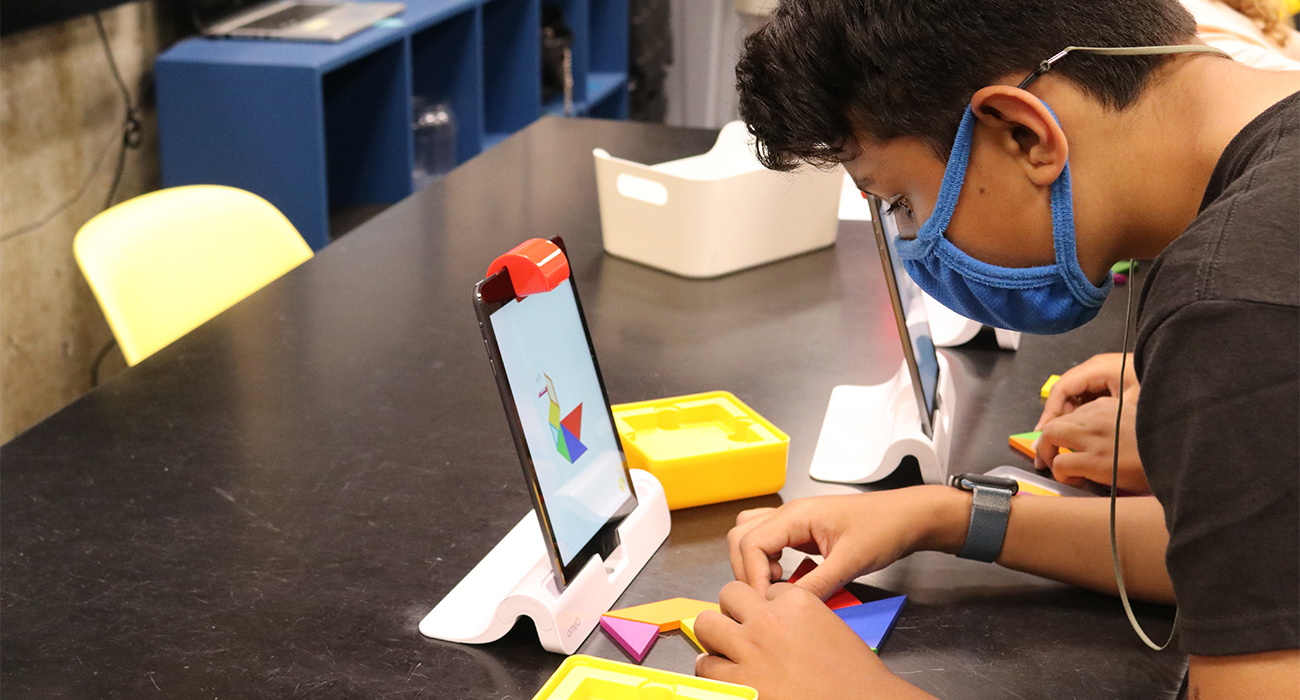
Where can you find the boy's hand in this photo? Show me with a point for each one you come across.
(856, 534)
(1090, 432)
(789, 645)
(1092, 379)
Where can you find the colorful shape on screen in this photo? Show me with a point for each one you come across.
(566, 432)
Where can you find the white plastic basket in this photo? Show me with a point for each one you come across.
(714, 213)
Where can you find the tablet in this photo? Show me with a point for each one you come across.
(558, 411)
(909, 312)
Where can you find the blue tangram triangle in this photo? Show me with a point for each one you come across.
(872, 621)
(576, 448)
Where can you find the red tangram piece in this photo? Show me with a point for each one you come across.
(839, 599)
(573, 422)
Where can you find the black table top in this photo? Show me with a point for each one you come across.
(268, 507)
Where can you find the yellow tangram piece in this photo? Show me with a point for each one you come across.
(668, 614)
(1047, 386)
(688, 626)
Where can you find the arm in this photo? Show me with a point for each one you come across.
(778, 638)
(1271, 674)
(1067, 539)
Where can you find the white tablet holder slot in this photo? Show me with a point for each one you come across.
(948, 329)
(516, 579)
(869, 430)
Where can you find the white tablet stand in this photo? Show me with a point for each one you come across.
(516, 579)
(870, 429)
(948, 329)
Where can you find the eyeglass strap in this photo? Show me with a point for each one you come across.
(1120, 51)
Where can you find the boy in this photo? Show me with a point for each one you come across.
(1017, 182)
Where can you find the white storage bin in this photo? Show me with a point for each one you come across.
(715, 213)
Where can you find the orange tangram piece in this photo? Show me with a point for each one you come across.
(1024, 443)
(668, 614)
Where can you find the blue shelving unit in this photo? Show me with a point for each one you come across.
(318, 127)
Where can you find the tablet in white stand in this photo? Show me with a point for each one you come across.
(949, 329)
(516, 579)
(868, 431)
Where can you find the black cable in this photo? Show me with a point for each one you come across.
(131, 134)
(99, 359)
(131, 138)
(1114, 479)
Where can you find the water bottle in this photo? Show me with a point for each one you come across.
(435, 140)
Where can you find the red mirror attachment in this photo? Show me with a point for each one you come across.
(536, 265)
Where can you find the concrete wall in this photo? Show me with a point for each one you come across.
(60, 110)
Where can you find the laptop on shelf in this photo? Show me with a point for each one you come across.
(293, 20)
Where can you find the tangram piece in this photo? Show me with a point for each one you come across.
(872, 621)
(1047, 386)
(667, 614)
(839, 599)
(688, 626)
(1024, 443)
(636, 638)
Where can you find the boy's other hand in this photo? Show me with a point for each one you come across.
(857, 534)
(788, 644)
(1098, 376)
(1089, 431)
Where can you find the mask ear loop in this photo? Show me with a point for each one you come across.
(1114, 478)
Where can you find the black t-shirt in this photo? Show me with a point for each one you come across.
(1218, 421)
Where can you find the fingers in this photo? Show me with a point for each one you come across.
(745, 522)
(1057, 434)
(828, 577)
(778, 589)
(1098, 376)
(739, 601)
(717, 668)
(760, 548)
(1074, 468)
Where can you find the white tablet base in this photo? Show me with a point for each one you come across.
(870, 429)
(516, 579)
(948, 329)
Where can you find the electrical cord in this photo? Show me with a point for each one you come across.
(130, 138)
(99, 360)
(1114, 480)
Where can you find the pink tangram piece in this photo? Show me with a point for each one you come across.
(636, 638)
(839, 599)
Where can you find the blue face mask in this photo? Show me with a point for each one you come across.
(1047, 299)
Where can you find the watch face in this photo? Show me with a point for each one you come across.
(968, 482)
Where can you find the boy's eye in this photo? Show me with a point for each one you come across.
(900, 210)
(895, 204)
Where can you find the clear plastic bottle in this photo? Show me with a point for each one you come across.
(434, 125)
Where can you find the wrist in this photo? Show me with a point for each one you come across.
(947, 518)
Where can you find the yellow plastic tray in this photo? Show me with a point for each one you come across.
(589, 678)
(703, 448)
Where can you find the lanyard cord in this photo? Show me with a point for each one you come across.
(1114, 478)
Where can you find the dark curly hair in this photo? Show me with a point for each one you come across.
(819, 69)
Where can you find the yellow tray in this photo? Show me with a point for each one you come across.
(583, 677)
(703, 448)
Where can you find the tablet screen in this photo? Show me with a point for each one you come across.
(913, 323)
(562, 411)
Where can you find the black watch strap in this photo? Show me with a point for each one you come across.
(989, 512)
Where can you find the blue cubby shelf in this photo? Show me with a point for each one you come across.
(319, 127)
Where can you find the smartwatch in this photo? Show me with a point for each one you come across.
(989, 511)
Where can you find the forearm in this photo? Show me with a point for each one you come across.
(1068, 539)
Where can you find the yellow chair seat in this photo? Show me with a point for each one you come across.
(163, 263)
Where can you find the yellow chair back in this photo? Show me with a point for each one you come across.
(165, 262)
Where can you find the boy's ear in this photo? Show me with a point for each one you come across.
(1025, 128)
